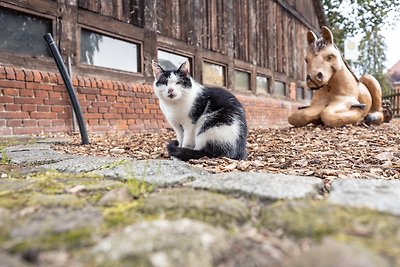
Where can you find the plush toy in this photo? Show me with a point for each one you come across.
(339, 97)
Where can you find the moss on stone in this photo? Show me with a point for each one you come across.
(121, 214)
(314, 219)
(74, 239)
(213, 208)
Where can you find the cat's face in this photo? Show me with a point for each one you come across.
(172, 85)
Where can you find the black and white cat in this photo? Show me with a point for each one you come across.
(208, 121)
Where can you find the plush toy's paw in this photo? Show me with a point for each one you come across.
(173, 148)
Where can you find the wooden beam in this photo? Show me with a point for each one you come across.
(297, 15)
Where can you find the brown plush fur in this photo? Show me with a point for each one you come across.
(337, 91)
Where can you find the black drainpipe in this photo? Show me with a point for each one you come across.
(67, 81)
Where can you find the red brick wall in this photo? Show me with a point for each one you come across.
(34, 102)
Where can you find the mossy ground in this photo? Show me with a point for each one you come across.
(315, 220)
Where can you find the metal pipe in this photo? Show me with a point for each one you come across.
(70, 88)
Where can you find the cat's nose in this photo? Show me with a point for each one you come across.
(170, 91)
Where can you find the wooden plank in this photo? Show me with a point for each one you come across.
(150, 35)
(40, 6)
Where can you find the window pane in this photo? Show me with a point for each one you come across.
(23, 33)
(262, 85)
(308, 94)
(213, 74)
(280, 88)
(103, 51)
(170, 61)
(299, 93)
(242, 80)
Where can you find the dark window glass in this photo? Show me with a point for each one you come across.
(280, 88)
(262, 85)
(103, 51)
(213, 74)
(170, 61)
(299, 93)
(23, 33)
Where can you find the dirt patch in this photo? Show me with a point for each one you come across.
(346, 152)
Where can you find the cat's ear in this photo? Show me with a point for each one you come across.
(185, 68)
(157, 70)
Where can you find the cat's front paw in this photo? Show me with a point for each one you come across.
(173, 148)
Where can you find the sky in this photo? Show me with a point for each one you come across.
(393, 45)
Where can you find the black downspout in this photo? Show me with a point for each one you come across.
(67, 81)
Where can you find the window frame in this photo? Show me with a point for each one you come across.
(250, 89)
(269, 85)
(179, 53)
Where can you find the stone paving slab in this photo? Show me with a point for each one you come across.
(381, 195)
(81, 164)
(159, 172)
(35, 154)
(264, 185)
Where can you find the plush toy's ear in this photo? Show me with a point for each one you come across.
(311, 37)
(185, 67)
(157, 70)
(327, 35)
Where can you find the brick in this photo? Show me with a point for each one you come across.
(28, 75)
(3, 74)
(93, 116)
(10, 91)
(37, 77)
(44, 123)
(91, 97)
(53, 78)
(103, 110)
(43, 108)
(93, 110)
(25, 92)
(14, 123)
(2, 123)
(12, 107)
(40, 86)
(55, 95)
(45, 77)
(43, 115)
(10, 73)
(27, 130)
(14, 115)
(93, 122)
(75, 81)
(28, 107)
(59, 102)
(100, 104)
(5, 131)
(108, 92)
(6, 99)
(91, 91)
(19, 75)
(57, 109)
(112, 116)
(28, 100)
(12, 84)
(57, 122)
(29, 123)
(41, 94)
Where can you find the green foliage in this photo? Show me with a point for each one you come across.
(366, 18)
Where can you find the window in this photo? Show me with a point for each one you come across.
(308, 94)
(242, 81)
(108, 52)
(300, 93)
(23, 33)
(213, 74)
(280, 88)
(170, 61)
(262, 85)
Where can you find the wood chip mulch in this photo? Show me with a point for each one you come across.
(347, 152)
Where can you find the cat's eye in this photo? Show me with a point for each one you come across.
(178, 82)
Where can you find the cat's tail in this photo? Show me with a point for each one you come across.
(184, 153)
